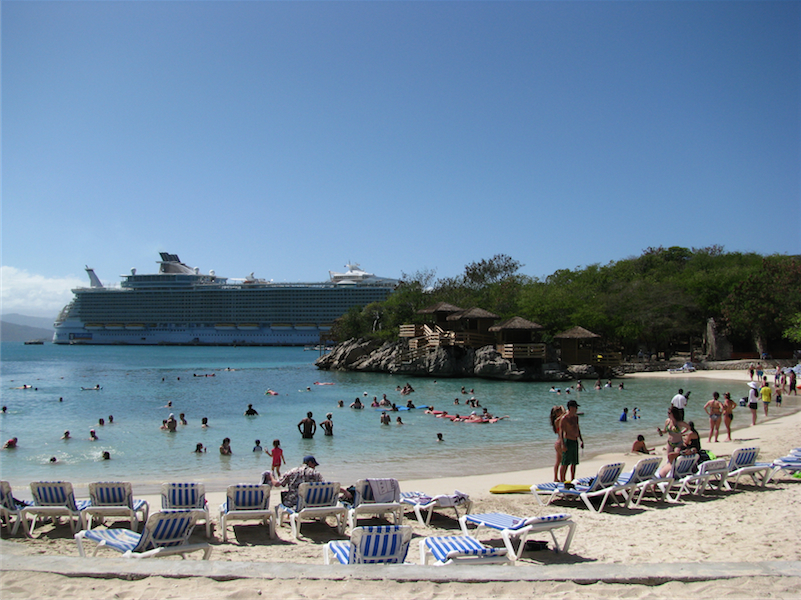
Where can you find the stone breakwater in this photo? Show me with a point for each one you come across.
(395, 357)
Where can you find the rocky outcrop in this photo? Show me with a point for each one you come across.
(396, 358)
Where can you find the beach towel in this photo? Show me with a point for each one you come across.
(385, 490)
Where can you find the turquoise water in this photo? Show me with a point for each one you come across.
(138, 382)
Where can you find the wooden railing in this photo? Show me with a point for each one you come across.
(410, 331)
(518, 351)
(608, 359)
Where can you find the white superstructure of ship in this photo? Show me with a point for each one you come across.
(180, 305)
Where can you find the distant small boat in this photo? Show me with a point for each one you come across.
(91, 389)
(34, 343)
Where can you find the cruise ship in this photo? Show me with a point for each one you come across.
(179, 305)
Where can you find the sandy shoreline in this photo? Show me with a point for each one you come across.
(750, 524)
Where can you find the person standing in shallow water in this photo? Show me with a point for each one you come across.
(328, 424)
(307, 426)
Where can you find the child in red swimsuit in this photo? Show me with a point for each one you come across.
(278, 457)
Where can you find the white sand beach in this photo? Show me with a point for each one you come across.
(621, 552)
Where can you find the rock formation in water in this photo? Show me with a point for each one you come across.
(452, 361)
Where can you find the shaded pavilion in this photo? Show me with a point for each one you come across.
(579, 346)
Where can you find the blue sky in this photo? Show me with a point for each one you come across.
(290, 138)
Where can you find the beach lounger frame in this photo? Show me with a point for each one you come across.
(421, 502)
(697, 483)
(743, 462)
(114, 499)
(364, 504)
(446, 550)
(247, 502)
(514, 528)
(316, 501)
(603, 485)
(187, 496)
(10, 511)
(683, 467)
(384, 544)
(53, 499)
(165, 533)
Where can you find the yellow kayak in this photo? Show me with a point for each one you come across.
(506, 488)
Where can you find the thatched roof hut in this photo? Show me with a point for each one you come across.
(516, 330)
(439, 307)
(473, 313)
(576, 333)
(578, 346)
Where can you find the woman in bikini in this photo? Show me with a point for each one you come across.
(714, 408)
(728, 413)
(557, 412)
(675, 429)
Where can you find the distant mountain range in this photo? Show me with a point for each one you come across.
(21, 328)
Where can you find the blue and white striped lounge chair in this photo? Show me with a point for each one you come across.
(316, 501)
(603, 484)
(652, 484)
(683, 467)
(628, 482)
(166, 532)
(791, 464)
(711, 470)
(422, 502)
(113, 499)
(743, 462)
(54, 499)
(246, 502)
(10, 510)
(387, 544)
(517, 528)
(187, 496)
(446, 550)
(364, 501)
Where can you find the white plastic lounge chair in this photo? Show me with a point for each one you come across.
(711, 470)
(603, 484)
(386, 544)
(421, 502)
(366, 500)
(743, 462)
(683, 466)
(628, 482)
(54, 499)
(10, 510)
(166, 532)
(316, 501)
(246, 502)
(446, 550)
(783, 464)
(517, 528)
(113, 499)
(187, 496)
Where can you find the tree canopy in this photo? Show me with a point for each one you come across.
(663, 296)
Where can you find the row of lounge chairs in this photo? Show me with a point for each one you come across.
(183, 506)
(685, 476)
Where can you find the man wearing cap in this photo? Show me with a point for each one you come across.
(328, 424)
(294, 477)
(570, 433)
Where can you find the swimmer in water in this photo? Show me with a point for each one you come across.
(93, 436)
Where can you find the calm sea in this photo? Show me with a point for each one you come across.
(138, 382)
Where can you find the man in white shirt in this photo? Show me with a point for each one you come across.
(680, 402)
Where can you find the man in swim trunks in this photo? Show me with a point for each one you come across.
(571, 434)
(307, 426)
(714, 408)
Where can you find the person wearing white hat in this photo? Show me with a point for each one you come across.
(753, 400)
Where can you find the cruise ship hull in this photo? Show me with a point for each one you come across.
(76, 333)
(180, 306)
